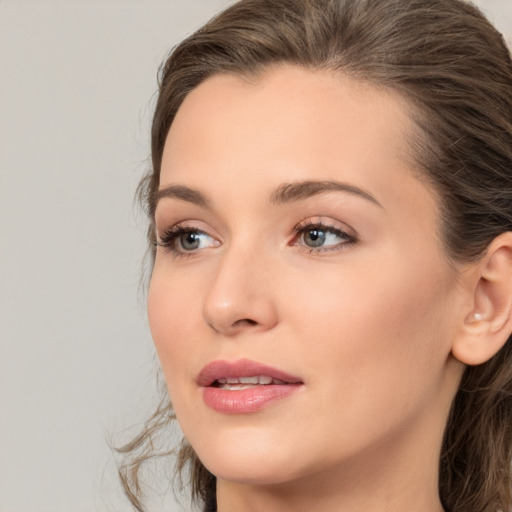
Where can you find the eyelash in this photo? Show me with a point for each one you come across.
(169, 239)
(307, 226)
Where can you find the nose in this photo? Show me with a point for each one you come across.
(241, 295)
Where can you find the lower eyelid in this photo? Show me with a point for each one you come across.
(345, 237)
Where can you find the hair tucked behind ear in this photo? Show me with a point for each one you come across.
(453, 67)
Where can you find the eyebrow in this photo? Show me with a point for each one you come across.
(183, 194)
(291, 192)
(285, 193)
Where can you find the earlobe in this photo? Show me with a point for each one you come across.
(488, 324)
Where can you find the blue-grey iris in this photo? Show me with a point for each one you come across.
(314, 238)
(190, 241)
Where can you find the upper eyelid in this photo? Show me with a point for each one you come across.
(193, 220)
(327, 223)
(177, 229)
(335, 231)
(164, 226)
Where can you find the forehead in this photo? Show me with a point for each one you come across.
(290, 124)
(286, 114)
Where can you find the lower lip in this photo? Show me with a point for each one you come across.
(248, 400)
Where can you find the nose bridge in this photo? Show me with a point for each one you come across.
(240, 294)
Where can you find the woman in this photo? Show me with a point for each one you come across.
(330, 212)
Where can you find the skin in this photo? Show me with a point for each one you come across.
(368, 325)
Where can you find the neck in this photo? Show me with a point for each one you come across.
(399, 475)
(371, 490)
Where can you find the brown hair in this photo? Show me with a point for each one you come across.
(456, 71)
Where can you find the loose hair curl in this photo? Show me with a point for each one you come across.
(455, 70)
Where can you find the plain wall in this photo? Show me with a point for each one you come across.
(77, 83)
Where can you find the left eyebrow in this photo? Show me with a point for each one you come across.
(291, 192)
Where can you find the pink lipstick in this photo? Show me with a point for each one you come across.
(244, 386)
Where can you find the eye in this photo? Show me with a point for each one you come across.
(180, 240)
(192, 240)
(317, 237)
(321, 237)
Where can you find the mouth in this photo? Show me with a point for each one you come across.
(243, 372)
(244, 386)
(239, 383)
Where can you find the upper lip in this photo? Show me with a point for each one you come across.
(222, 369)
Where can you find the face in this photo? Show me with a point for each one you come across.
(301, 303)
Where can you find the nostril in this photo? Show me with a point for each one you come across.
(245, 321)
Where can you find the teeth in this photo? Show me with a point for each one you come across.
(235, 387)
(246, 382)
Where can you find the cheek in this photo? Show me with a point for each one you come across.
(173, 312)
(383, 327)
(375, 350)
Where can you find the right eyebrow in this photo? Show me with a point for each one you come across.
(183, 193)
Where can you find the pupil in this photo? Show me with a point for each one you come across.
(315, 238)
(190, 241)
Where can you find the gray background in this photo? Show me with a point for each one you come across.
(77, 83)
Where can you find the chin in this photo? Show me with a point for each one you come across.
(249, 458)
(247, 471)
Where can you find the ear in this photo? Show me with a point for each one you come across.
(487, 321)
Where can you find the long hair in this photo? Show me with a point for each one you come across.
(455, 70)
